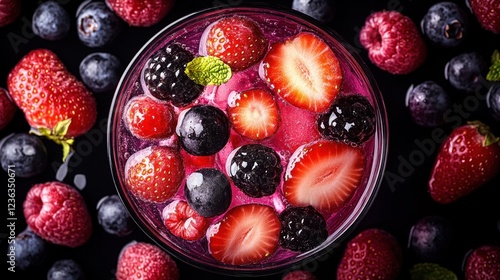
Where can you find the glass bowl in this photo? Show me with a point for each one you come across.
(275, 24)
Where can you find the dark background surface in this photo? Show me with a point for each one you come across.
(399, 204)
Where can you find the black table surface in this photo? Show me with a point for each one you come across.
(399, 203)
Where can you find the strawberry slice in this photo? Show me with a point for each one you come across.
(323, 174)
(183, 221)
(304, 71)
(253, 113)
(247, 234)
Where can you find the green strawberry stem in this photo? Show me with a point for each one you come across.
(494, 71)
(58, 135)
(484, 130)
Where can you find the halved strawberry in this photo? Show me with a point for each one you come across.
(304, 71)
(183, 221)
(247, 234)
(323, 174)
(253, 113)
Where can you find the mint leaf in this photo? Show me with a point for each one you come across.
(208, 70)
(495, 57)
(494, 71)
(431, 271)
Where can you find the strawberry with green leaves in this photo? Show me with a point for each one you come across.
(494, 71)
(468, 158)
(55, 103)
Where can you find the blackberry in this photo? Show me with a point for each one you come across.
(350, 119)
(302, 228)
(165, 78)
(256, 170)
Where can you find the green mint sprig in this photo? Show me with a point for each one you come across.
(494, 71)
(208, 70)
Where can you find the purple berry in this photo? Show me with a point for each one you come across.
(50, 21)
(445, 24)
(427, 103)
(465, 72)
(493, 101)
(321, 10)
(97, 25)
(208, 192)
(66, 270)
(100, 72)
(431, 238)
(30, 250)
(24, 153)
(113, 216)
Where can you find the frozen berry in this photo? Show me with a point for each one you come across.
(255, 169)
(113, 216)
(321, 10)
(208, 192)
(302, 228)
(466, 71)
(427, 103)
(431, 238)
(50, 21)
(97, 25)
(100, 71)
(66, 269)
(30, 250)
(203, 130)
(165, 79)
(445, 24)
(25, 153)
(493, 101)
(351, 119)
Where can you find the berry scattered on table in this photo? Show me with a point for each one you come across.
(141, 13)
(373, 252)
(25, 153)
(445, 24)
(165, 79)
(57, 212)
(431, 238)
(468, 158)
(97, 25)
(483, 263)
(184, 222)
(466, 71)
(146, 260)
(321, 10)
(113, 216)
(302, 228)
(427, 103)
(350, 119)
(50, 21)
(208, 192)
(100, 71)
(30, 250)
(393, 42)
(66, 269)
(304, 71)
(487, 13)
(493, 101)
(154, 173)
(7, 108)
(9, 11)
(299, 275)
(258, 225)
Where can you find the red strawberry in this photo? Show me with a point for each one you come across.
(483, 263)
(254, 113)
(467, 159)
(183, 221)
(236, 40)
(393, 41)
(57, 213)
(147, 118)
(7, 108)
(9, 11)
(141, 13)
(487, 13)
(247, 234)
(372, 254)
(304, 71)
(154, 173)
(323, 174)
(139, 260)
(299, 275)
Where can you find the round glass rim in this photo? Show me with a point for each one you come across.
(380, 151)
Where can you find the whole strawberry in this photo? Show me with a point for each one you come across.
(483, 263)
(372, 254)
(7, 108)
(393, 42)
(57, 213)
(145, 261)
(299, 275)
(141, 12)
(467, 159)
(487, 13)
(9, 11)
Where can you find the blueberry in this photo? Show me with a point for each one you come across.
(113, 216)
(97, 25)
(445, 24)
(66, 269)
(203, 130)
(30, 249)
(427, 103)
(465, 72)
(100, 72)
(50, 21)
(24, 153)
(431, 238)
(208, 192)
(493, 101)
(321, 10)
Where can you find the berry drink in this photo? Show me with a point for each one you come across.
(247, 139)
